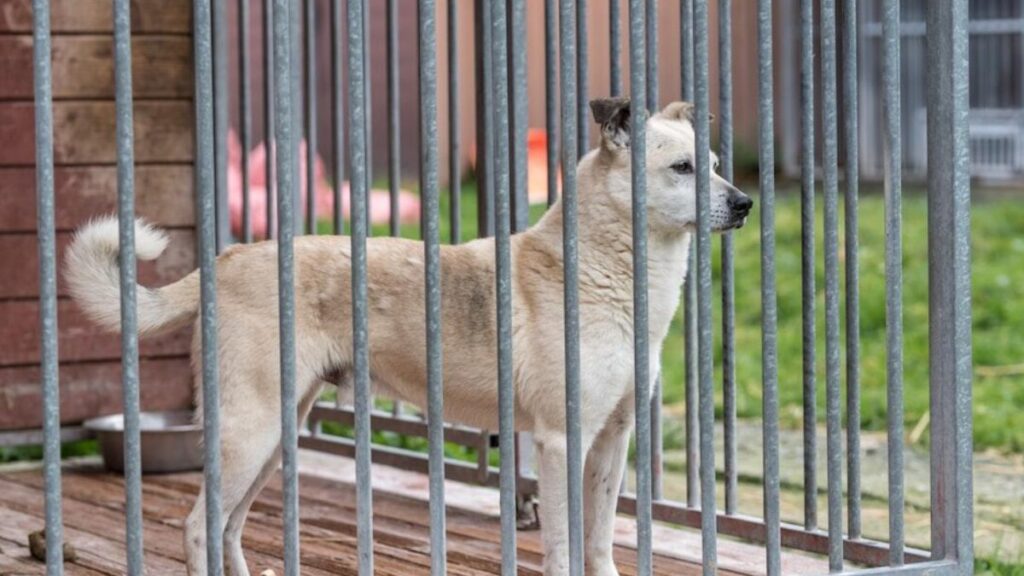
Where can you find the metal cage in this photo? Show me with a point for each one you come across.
(501, 71)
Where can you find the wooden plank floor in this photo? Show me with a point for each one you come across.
(94, 525)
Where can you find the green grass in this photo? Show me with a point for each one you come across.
(998, 316)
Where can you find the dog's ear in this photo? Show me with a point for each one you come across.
(613, 114)
(682, 111)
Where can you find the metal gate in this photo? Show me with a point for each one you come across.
(502, 145)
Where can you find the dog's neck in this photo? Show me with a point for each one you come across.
(605, 241)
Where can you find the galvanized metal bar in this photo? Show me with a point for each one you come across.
(570, 249)
(582, 79)
(309, 63)
(485, 128)
(706, 367)
(206, 208)
(949, 284)
(686, 47)
(286, 133)
(690, 290)
(503, 281)
(128, 284)
(833, 373)
(394, 119)
(550, 93)
(268, 110)
(46, 230)
(893, 162)
(657, 443)
(518, 113)
(641, 346)
(245, 113)
(725, 155)
(430, 186)
(807, 167)
(851, 164)
(368, 87)
(337, 118)
(454, 125)
(615, 46)
(295, 19)
(769, 300)
(221, 119)
(357, 100)
(651, 18)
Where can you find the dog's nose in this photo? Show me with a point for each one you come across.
(740, 203)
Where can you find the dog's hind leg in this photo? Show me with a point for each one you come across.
(248, 443)
(236, 518)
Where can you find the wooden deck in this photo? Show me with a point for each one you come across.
(94, 525)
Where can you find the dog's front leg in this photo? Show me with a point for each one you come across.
(552, 478)
(602, 477)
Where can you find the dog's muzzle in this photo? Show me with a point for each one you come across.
(739, 207)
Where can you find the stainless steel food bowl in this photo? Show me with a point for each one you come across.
(170, 441)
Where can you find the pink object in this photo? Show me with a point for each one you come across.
(380, 205)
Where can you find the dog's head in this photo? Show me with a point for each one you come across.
(671, 167)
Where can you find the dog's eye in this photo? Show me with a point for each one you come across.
(684, 167)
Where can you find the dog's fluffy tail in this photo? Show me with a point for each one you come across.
(92, 272)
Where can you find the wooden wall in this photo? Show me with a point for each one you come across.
(86, 186)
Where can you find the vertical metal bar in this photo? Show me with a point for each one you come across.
(206, 203)
(394, 123)
(615, 46)
(851, 164)
(582, 79)
(295, 55)
(368, 102)
(807, 166)
(830, 166)
(432, 258)
(485, 128)
(893, 162)
(550, 90)
(651, 17)
(949, 283)
(570, 249)
(360, 340)
(244, 110)
(518, 111)
(311, 115)
(728, 286)
(690, 289)
(706, 374)
(503, 280)
(657, 445)
(686, 47)
(220, 117)
(128, 284)
(286, 134)
(641, 350)
(769, 300)
(454, 125)
(268, 110)
(43, 83)
(337, 117)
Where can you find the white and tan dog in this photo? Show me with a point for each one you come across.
(247, 300)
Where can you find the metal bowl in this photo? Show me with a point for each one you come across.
(170, 441)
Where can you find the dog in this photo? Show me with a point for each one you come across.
(248, 345)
